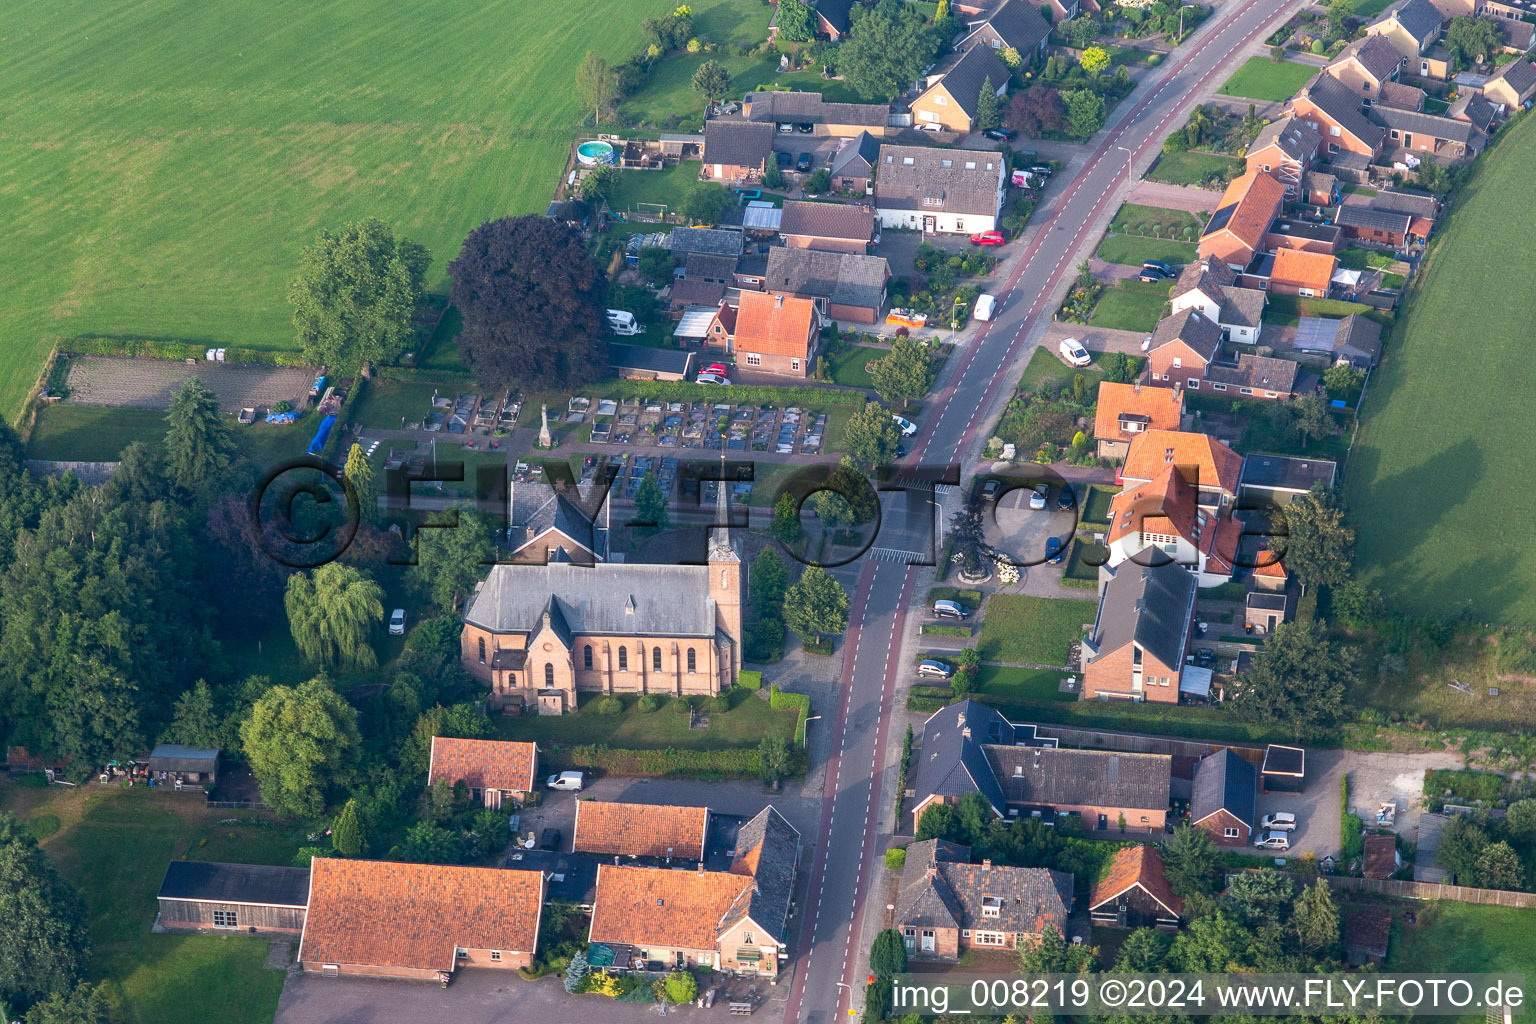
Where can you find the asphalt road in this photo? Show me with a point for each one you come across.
(827, 983)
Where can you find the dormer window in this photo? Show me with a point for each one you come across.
(991, 906)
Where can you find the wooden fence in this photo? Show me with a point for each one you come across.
(1409, 890)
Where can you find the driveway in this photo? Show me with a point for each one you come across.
(1097, 340)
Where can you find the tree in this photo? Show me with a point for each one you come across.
(1085, 112)
(937, 822)
(1011, 57)
(347, 832)
(1472, 41)
(1189, 860)
(888, 954)
(301, 742)
(195, 722)
(437, 805)
(712, 81)
(773, 752)
(871, 436)
(1312, 416)
(656, 264)
(359, 473)
(576, 971)
(332, 613)
(681, 987)
(198, 445)
(1052, 955)
(1355, 602)
(1520, 821)
(1315, 919)
(816, 605)
(85, 1004)
(451, 560)
(1498, 867)
(460, 721)
(1320, 542)
(1298, 679)
(886, 50)
(533, 302)
(1341, 379)
(903, 374)
(1118, 367)
(1260, 897)
(987, 115)
(706, 202)
(651, 514)
(1036, 111)
(796, 22)
(1142, 952)
(426, 843)
(598, 184)
(769, 579)
(597, 85)
(1277, 54)
(43, 937)
(786, 519)
(354, 295)
(1094, 60)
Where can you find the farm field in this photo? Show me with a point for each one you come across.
(209, 143)
(1437, 422)
(1263, 79)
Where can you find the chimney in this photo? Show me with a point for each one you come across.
(528, 532)
(986, 863)
(966, 732)
(778, 300)
(933, 871)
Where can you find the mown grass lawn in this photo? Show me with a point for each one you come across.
(1263, 79)
(848, 365)
(1008, 683)
(1044, 363)
(748, 721)
(1133, 251)
(92, 433)
(386, 402)
(1032, 630)
(1454, 938)
(1193, 168)
(1131, 306)
(207, 144)
(1437, 422)
(1135, 219)
(646, 189)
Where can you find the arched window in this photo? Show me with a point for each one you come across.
(692, 662)
(655, 659)
(482, 650)
(623, 659)
(586, 656)
(549, 675)
(722, 579)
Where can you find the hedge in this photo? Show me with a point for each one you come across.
(896, 858)
(154, 348)
(926, 705)
(1351, 828)
(780, 700)
(735, 763)
(749, 679)
(929, 629)
(421, 375)
(749, 394)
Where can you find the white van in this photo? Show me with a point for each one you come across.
(986, 305)
(623, 322)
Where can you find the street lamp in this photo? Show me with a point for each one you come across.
(813, 718)
(1181, 21)
(1128, 157)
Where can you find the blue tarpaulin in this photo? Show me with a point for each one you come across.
(282, 417)
(324, 432)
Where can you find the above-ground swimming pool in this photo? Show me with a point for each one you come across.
(590, 153)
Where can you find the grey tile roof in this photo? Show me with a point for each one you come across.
(925, 902)
(1019, 24)
(1257, 372)
(1520, 74)
(1295, 138)
(778, 846)
(951, 763)
(710, 240)
(1353, 337)
(843, 278)
(626, 599)
(1420, 18)
(1371, 219)
(963, 181)
(1023, 900)
(1473, 108)
(828, 220)
(1151, 605)
(1396, 94)
(856, 159)
(1224, 781)
(1375, 54)
(835, 11)
(1244, 307)
(1210, 277)
(738, 143)
(1284, 472)
(173, 757)
(711, 266)
(1061, 777)
(1420, 204)
(1193, 328)
(542, 507)
(647, 357)
(1342, 106)
(1428, 124)
(812, 108)
(235, 883)
(1317, 181)
(965, 79)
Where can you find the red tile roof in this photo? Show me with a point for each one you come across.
(1256, 197)
(775, 324)
(1303, 269)
(1160, 408)
(1380, 856)
(1213, 464)
(640, 830)
(383, 914)
(1136, 865)
(663, 906)
(1164, 505)
(484, 764)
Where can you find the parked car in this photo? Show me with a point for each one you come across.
(805, 127)
(1273, 841)
(718, 369)
(713, 378)
(1282, 821)
(986, 307)
(988, 238)
(906, 318)
(928, 127)
(549, 839)
(1039, 170)
(934, 667)
(565, 780)
(787, 128)
(991, 487)
(782, 158)
(1151, 275)
(803, 163)
(1073, 352)
(1167, 269)
(998, 134)
(1053, 550)
(397, 622)
(945, 609)
(908, 428)
(1037, 499)
(1065, 500)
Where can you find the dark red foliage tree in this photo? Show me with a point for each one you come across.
(1036, 110)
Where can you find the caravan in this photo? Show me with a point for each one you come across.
(622, 322)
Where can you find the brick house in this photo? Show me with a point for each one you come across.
(1224, 798)
(951, 97)
(1412, 28)
(544, 518)
(1183, 345)
(640, 830)
(1125, 410)
(1367, 65)
(1145, 618)
(1421, 206)
(1292, 272)
(1285, 150)
(830, 227)
(1162, 520)
(1134, 893)
(853, 165)
(1015, 23)
(494, 770)
(1206, 464)
(939, 191)
(843, 286)
(1236, 230)
(423, 921)
(737, 150)
(946, 905)
(1333, 108)
(841, 120)
(832, 18)
(732, 921)
(1211, 287)
(776, 333)
(1513, 85)
(1379, 227)
(1447, 137)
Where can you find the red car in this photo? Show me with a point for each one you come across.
(715, 368)
(988, 238)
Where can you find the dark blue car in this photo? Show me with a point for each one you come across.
(1053, 550)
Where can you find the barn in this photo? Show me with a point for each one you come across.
(1134, 893)
(256, 898)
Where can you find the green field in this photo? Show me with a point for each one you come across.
(1193, 168)
(1445, 438)
(164, 161)
(1263, 79)
(1131, 306)
(748, 721)
(1132, 251)
(1032, 630)
(1448, 938)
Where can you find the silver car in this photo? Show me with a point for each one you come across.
(1273, 841)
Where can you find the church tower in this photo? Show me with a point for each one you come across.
(725, 581)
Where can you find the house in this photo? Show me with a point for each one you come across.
(1421, 206)
(1058, 11)
(183, 766)
(693, 293)
(1302, 234)
(1474, 108)
(1320, 189)
(1293, 272)
(1284, 769)
(1012, 23)
(1381, 859)
(1412, 28)
(544, 518)
(1351, 168)
(1224, 799)
(843, 286)
(1182, 346)
(539, 634)
(1333, 108)
(1456, 8)
(685, 243)
(1161, 521)
(1280, 479)
(776, 333)
(1134, 893)
(493, 770)
(1367, 934)
(1519, 37)
(829, 227)
(710, 327)
(950, 99)
(1376, 226)
(852, 167)
(1430, 133)
(939, 191)
(423, 921)
(1206, 464)
(1401, 96)
(662, 831)
(737, 150)
(1145, 617)
(732, 921)
(1367, 65)
(832, 18)
(1512, 85)
(1125, 410)
(198, 895)
(1236, 230)
(946, 905)
(954, 759)
(843, 120)
(1254, 377)
(646, 362)
(1285, 149)
(1211, 287)
(1264, 610)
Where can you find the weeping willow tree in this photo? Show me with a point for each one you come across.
(332, 613)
